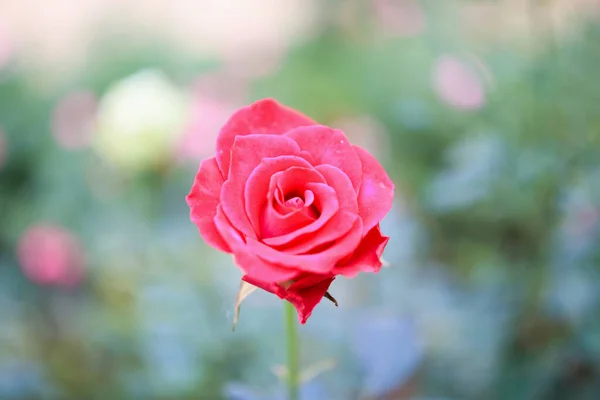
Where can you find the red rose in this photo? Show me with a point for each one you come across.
(293, 201)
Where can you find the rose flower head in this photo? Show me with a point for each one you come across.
(293, 201)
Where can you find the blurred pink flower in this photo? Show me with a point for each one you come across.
(51, 255)
(73, 120)
(199, 137)
(216, 96)
(400, 17)
(2, 148)
(458, 84)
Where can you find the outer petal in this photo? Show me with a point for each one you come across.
(367, 257)
(329, 146)
(263, 117)
(304, 294)
(321, 262)
(245, 260)
(260, 269)
(376, 193)
(203, 200)
(232, 236)
(247, 153)
(342, 186)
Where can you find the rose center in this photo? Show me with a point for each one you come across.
(294, 203)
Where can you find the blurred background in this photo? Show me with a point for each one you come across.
(485, 113)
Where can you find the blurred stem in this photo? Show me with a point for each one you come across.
(293, 351)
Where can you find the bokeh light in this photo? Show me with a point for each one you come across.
(139, 119)
(74, 120)
(51, 255)
(458, 84)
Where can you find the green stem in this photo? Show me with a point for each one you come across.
(293, 351)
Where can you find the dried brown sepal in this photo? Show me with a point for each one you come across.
(244, 291)
(330, 298)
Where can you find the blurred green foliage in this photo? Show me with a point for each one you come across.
(506, 200)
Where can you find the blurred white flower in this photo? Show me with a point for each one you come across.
(140, 119)
(73, 120)
(458, 84)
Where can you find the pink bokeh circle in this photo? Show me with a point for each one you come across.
(51, 255)
(73, 120)
(458, 84)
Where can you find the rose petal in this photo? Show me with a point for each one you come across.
(294, 180)
(282, 206)
(304, 294)
(309, 198)
(331, 147)
(263, 117)
(230, 235)
(203, 200)
(321, 262)
(367, 256)
(297, 212)
(258, 185)
(327, 203)
(339, 224)
(247, 153)
(253, 266)
(275, 224)
(244, 259)
(376, 193)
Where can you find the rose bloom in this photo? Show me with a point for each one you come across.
(51, 255)
(293, 201)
